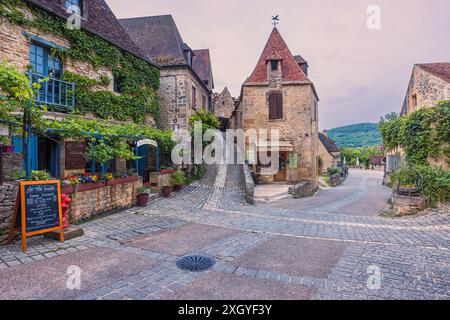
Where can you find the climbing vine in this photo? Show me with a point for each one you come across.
(139, 80)
(421, 134)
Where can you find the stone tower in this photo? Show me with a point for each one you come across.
(279, 95)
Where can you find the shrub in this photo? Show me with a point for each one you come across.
(178, 178)
(333, 170)
(436, 181)
(39, 176)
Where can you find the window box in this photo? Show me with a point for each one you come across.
(8, 149)
(117, 181)
(89, 186)
(68, 189)
(167, 171)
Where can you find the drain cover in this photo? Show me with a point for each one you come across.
(195, 263)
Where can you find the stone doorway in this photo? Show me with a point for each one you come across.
(280, 176)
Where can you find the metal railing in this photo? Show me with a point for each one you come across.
(56, 94)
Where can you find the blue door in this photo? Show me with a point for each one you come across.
(143, 153)
(18, 148)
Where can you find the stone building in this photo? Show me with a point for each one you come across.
(25, 45)
(279, 95)
(429, 83)
(224, 106)
(329, 154)
(33, 39)
(186, 75)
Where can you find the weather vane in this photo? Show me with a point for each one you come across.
(275, 20)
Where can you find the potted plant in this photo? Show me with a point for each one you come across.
(143, 196)
(178, 180)
(166, 170)
(166, 190)
(4, 140)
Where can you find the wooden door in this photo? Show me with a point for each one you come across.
(280, 176)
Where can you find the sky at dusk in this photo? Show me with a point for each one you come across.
(360, 74)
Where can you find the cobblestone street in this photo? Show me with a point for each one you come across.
(330, 246)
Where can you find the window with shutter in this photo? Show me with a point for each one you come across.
(275, 106)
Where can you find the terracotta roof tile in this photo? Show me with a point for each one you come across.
(291, 71)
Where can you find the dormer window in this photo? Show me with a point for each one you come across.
(274, 65)
(74, 6)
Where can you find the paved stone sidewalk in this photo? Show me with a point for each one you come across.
(287, 250)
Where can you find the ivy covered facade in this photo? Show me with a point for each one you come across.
(92, 75)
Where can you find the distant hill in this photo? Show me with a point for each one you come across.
(356, 135)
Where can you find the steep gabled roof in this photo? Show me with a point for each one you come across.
(291, 71)
(97, 19)
(329, 144)
(441, 70)
(201, 63)
(158, 37)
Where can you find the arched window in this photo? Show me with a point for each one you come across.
(275, 106)
(75, 6)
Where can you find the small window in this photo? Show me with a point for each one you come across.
(274, 65)
(194, 97)
(75, 6)
(203, 102)
(117, 84)
(275, 106)
(414, 102)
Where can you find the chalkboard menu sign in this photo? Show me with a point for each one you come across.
(75, 155)
(38, 210)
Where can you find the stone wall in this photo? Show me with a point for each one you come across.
(336, 179)
(298, 126)
(12, 162)
(8, 195)
(108, 199)
(428, 88)
(223, 105)
(408, 205)
(175, 96)
(328, 160)
(306, 188)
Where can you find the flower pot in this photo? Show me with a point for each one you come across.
(67, 189)
(177, 187)
(89, 186)
(8, 149)
(167, 171)
(166, 191)
(143, 199)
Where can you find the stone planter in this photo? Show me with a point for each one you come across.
(408, 205)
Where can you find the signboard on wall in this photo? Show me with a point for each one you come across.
(38, 210)
(75, 155)
(293, 160)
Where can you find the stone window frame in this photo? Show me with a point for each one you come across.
(283, 117)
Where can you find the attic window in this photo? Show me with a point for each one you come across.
(74, 6)
(274, 65)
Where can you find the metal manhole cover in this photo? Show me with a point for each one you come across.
(195, 263)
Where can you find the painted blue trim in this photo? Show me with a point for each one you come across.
(58, 160)
(42, 41)
(136, 152)
(157, 159)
